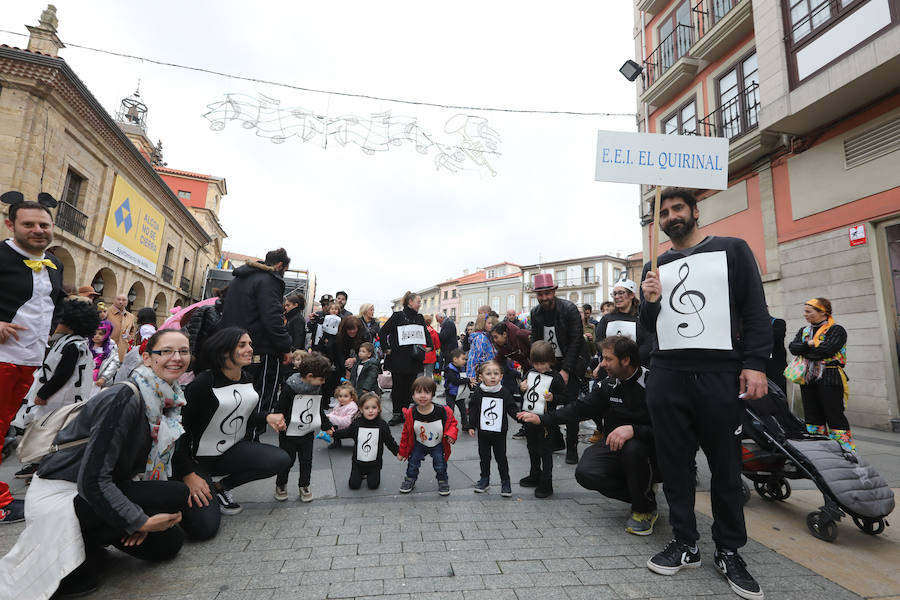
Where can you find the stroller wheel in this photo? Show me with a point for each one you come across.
(822, 526)
(772, 491)
(745, 492)
(869, 526)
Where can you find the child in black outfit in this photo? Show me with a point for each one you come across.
(542, 389)
(371, 434)
(488, 406)
(303, 414)
(455, 380)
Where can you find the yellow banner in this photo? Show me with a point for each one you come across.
(134, 228)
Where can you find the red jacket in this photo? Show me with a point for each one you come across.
(431, 356)
(517, 347)
(408, 438)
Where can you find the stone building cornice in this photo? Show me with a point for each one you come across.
(54, 76)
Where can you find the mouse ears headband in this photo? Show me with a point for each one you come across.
(13, 198)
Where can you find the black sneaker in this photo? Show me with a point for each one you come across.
(14, 512)
(543, 490)
(572, 457)
(520, 434)
(27, 472)
(227, 505)
(530, 481)
(676, 556)
(732, 566)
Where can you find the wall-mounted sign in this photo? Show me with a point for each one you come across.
(858, 235)
(134, 228)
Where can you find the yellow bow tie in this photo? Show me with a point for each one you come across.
(38, 265)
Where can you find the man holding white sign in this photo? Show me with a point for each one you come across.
(707, 307)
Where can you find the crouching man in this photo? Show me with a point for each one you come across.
(621, 466)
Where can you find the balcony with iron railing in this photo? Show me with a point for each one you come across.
(69, 218)
(185, 285)
(168, 273)
(670, 66)
(735, 117)
(719, 25)
(570, 282)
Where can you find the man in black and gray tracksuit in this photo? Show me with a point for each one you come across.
(708, 310)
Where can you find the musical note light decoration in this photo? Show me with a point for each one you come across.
(468, 143)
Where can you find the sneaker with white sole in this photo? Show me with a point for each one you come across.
(305, 494)
(482, 485)
(676, 556)
(407, 486)
(732, 566)
(227, 505)
(14, 512)
(280, 494)
(443, 487)
(641, 523)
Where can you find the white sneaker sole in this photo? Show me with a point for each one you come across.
(230, 511)
(739, 590)
(281, 497)
(447, 493)
(671, 570)
(481, 490)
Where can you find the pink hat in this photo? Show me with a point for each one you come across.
(544, 281)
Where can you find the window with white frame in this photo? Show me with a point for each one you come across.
(495, 304)
(467, 307)
(511, 302)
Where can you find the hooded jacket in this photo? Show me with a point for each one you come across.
(296, 326)
(255, 303)
(517, 347)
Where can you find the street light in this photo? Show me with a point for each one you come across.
(97, 283)
(631, 70)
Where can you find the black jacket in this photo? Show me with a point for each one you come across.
(296, 326)
(645, 340)
(505, 406)
(115, 422)
(365, 379)
(255, 302)
(569, 333)
(202, 324)
(18, 282)
(616, 402)
(385, 438)
(403, 359)
(449, 338)
(778, 360)
(373, 327)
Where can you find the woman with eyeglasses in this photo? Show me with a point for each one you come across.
(111, 485)
(623, 320)
(221, 406)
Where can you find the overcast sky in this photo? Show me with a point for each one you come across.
(377, 225)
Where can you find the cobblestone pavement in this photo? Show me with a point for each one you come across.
(379, 544)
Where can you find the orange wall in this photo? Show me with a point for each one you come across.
(197, 189)
(746, 224)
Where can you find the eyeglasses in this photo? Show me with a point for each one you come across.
(614, 294)
(170, 352)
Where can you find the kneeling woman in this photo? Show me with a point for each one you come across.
(110, 486)
(221, 406)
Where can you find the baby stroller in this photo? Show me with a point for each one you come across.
(777, 448)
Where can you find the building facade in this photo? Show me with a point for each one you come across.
(449, 304)
(807, 93)
(498, 286)
(586, 280)
(119, 227)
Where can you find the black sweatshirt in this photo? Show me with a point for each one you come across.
(712, 315)
(202, 396)
(504, 404)
(616, 402)
(611, 324)
(361, 431)
(558, 388)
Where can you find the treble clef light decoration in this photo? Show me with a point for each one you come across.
(532, 396)
(686, 300)
(490, 413)
(232, 421)
(367, 444)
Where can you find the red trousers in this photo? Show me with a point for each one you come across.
(15, 381)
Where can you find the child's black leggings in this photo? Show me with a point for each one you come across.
(299, 448)
(372, 474)
(488, 441)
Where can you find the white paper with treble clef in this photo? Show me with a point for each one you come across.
(229, 422)
(411, 335)
(492, 414)
(367, 444)
(550, 337)
(537, 384)
(331, 324)
(624, 328)
(695, 309)
(429, 434)
(305, 416)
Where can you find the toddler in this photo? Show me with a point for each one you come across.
(364, 374)
(342, 414)
(428, 430)
(455, 381)
(371, 434)
(488, 406)
(303, 413)
(106, 357)
(543, 387)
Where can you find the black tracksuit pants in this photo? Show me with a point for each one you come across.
(625, 474)
(691, 409)
(490, 441)
(823, 404)
(373, 476)
(401, 391)
(537, 440)
(267, 376)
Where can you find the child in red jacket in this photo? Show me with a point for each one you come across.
(428, 429)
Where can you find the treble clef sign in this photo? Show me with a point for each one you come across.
(306, 416)
(532, 396)
(232, 421)
(490, 414)
(693, 301)
(422, 435)
(367, 444)
(551, 337)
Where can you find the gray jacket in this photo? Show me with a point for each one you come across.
(119, 442)
(110, 365)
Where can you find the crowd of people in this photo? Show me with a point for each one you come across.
(169, 421)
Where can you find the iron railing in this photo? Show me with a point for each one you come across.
(69, 218)
(670, 49)
(734, 118)
(710, 12)
(185, 284)
(569, 282)
(168, 273)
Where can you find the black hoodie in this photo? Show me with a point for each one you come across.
(255, 302)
